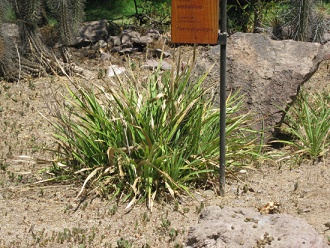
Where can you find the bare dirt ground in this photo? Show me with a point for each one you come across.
(49, 215)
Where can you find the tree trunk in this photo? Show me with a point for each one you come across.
(302, 34)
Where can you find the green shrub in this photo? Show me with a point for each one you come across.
(244, 145)
(308, 121)
(145, 139)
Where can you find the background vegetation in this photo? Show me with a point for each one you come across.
(112, 10)
(298, 20)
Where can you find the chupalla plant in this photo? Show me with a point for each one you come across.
(139, 140)
(308, 122)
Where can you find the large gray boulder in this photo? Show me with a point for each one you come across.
(267, 72)
(240, 227)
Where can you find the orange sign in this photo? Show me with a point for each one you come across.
(195, 21)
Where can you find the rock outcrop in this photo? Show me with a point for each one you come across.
(128, 41)
(267, 72)
(240, 227)
(91, 32)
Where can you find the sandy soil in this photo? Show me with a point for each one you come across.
(49, 215)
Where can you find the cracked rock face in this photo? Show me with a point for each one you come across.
(240, 227)
(267, 72)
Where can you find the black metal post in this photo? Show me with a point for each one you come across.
(223, 44)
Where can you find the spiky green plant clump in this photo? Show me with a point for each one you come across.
(142, 140)
(308, 121)
(244, 144)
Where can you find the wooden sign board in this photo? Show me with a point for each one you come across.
(195, 21)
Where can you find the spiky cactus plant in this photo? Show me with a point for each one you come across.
(4, 54)
(32, 56)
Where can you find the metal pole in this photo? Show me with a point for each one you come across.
(223, 43)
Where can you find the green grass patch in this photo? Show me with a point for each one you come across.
(141, 140)
(308, 122)
(96, 10)
(145, 14)
(113, 10)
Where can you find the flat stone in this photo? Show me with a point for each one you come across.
(153, 33)
(243, 227)
(131, 33)
(114, 40)
(153, 64)
(143, 40)
(159, 52)
(115, 70)
(91, 32)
